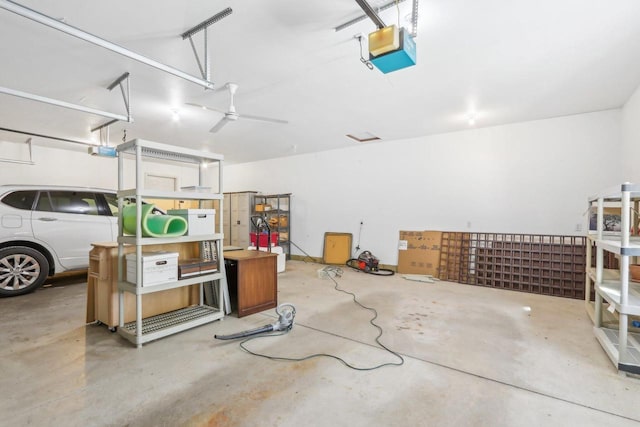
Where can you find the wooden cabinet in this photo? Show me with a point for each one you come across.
(253, 281)
(238, 208)
(102, 287)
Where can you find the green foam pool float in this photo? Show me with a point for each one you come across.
(153, 225)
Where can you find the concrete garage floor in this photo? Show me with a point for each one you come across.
(473, 357)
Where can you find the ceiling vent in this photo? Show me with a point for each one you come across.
(363, 137)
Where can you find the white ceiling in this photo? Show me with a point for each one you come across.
(505, 60)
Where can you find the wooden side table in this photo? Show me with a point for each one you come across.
(253, 280)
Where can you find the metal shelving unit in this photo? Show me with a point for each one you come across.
(142, 330)
(614, 287)
(278, 213)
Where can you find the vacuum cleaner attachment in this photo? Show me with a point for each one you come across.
(286, 313)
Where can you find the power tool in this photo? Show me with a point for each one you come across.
(286, 313)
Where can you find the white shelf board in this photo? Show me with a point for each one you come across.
(175, 195)
(157, 150)
(608, 235)
(615, 246)
(145, 241)
(610, 291)
(615, 193)
(141, 290)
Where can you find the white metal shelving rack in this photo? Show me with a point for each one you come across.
(144, 330)
(615, 287)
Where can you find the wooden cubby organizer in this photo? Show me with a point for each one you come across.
(534, 263)
(613, 286)
(142, 329)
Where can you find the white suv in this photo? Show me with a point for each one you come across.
(49, 229)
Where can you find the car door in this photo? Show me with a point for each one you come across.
(68, 222)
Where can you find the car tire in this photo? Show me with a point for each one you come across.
(22, 270)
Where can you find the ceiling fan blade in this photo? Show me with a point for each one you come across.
(219, 125)
(204, 107)
(264, 119)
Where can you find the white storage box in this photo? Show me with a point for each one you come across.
(282, 257)
(200, 221)
(157, 268)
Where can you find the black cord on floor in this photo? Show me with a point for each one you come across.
(336, 272)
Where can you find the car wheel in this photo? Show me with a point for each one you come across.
(22, 270)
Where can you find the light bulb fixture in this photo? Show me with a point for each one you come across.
(175, 115)
(471, 119)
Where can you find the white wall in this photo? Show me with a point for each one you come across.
(531, 177)
(631, 138)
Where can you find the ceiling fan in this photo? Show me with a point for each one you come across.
(231, 115)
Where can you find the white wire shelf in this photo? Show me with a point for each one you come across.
(609, 339)
(166, 324)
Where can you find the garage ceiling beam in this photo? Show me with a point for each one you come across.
(125, 97)
(63, 104)
(206, 70)
(366, 7)
(363, 17)
(83, 35)
(40, 135)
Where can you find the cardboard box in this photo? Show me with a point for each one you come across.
(157, 268)
(200, 221)
(419, 252)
